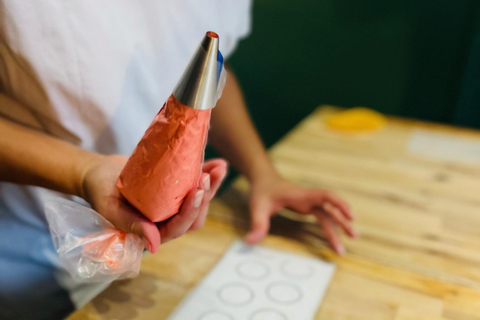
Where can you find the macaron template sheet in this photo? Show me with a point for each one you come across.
(258, 283)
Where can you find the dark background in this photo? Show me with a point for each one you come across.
(418, 59)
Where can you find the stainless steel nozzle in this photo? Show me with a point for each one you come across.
(198, 85)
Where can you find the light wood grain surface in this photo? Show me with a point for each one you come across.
(418, 256)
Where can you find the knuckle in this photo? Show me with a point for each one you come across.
(195, 226)
(329, 195)
(176, 234)
(198, 224)
(132, 227)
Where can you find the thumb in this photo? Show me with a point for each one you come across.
(260, 211)
(147, 231)
(134, 222)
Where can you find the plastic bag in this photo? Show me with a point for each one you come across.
(89, 247)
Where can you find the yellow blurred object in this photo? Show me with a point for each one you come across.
(357, 119)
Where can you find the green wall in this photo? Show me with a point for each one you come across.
(412, 58)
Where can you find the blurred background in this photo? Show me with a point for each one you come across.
(412, 58)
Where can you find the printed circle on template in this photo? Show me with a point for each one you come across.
(267, 314)
(297, 270)
(252, 270)
(235, 294)
(215, 315)
(284, 293)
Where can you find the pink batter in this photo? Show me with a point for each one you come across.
(166, 163)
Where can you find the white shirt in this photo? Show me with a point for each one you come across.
(93, 72)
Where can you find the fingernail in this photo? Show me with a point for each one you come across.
(197, 201)
(147, 244)
(248, 239)
(206, 183)
(341, 250)
(355, 233)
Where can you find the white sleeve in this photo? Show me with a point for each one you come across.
(244, 24)
(237, 19)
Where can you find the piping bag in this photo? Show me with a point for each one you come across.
(164, 167)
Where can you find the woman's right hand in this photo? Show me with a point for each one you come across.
(100, 190)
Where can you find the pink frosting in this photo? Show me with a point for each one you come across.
(166, 163)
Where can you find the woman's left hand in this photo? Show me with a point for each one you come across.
(270, 194)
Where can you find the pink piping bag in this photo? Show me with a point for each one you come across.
(166, 164)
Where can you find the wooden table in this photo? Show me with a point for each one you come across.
(418, 256)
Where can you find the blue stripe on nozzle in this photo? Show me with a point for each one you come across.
(219, 65)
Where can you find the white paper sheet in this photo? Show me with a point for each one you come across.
(256, 283)
(444, 147)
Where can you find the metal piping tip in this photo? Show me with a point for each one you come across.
(198, 85)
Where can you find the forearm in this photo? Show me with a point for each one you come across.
(35, 158)
(234, 136)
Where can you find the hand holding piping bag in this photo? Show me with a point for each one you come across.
(101, 191)
(107, 244)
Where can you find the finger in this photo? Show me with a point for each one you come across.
(341, 204)
(205, 181)
(202, 216)
(213, 163)
(260, 217)
(217, 175)
(200, 220)
(331, 233)
(181, 222)
(320, 197)
(215, 179)
(133, 222)
(339, 218)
